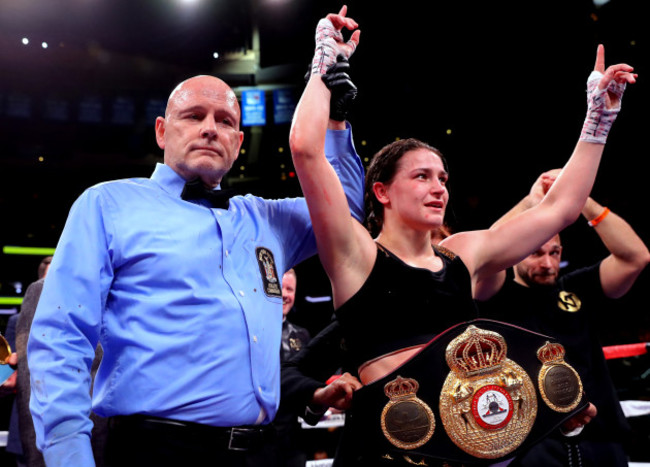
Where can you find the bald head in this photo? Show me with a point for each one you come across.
(208, 86)
(200, 133)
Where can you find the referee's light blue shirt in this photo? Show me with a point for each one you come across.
(186, 301)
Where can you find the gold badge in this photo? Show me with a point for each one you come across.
(295, 344)
(5, 350)
(269, 272)
(407, 422)
(487, 403)
(568, 301)
(559, 383)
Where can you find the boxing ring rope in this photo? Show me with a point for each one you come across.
(626, 350)
(631, 408)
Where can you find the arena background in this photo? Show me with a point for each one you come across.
(497, 86)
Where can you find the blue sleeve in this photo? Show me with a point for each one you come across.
(340, 152)
(65, 332)
(289, 218)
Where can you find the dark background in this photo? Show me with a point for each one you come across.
(497, 86)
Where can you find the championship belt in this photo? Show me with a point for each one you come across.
(477, 379)
(487, 403)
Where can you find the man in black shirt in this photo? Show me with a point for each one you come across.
(533, 295)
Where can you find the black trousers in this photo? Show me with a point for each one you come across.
(142, 441)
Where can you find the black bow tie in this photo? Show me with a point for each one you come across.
(195, 189)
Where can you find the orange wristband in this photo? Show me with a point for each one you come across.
(599, 219)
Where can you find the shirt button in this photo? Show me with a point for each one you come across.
(259, 388)
(219, 213)
(227, 253)
(241, 292)
(254, 338)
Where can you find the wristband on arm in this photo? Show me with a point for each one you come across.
(326, 50)
(599, 118)
(594, 222)
(328, 41)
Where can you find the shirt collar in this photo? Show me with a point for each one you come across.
(169, 180)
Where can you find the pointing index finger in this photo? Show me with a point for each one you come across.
(600, 59)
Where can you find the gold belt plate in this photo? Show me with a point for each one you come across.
(487, 403)
(407, 421)
(559, 383)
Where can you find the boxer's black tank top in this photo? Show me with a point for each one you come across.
(401, 306)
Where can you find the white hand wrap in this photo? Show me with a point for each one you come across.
(599, 118)
(328, 46)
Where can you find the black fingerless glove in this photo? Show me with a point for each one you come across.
(342, 88)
